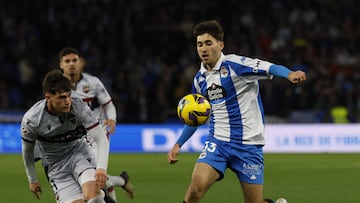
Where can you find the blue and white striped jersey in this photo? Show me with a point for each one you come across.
(232, 89)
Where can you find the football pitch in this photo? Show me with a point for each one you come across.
(301, 178)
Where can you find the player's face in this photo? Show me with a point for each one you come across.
(209, 49)
(58, 103)
(71, 65)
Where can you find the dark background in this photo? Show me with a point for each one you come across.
(145, 54)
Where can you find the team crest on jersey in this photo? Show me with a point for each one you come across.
(86, 88)
(224, 72)
(201, 79)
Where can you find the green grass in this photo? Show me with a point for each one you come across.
(301, 178)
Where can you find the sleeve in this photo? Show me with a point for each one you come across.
(102, 94)
(28, 144)
(251, 69)
(102, 146)
(279, 70)
(28, 158)
(187, 132)
(110, 111)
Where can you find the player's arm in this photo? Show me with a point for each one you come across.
(28, 158)
(187, 132)
(102, 156)
(28, 138)
(292, 76)
(110, 115)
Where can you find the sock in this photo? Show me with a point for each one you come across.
(116, 180)
(97, 199)
(111, 192)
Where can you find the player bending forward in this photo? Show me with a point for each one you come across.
(59, 124)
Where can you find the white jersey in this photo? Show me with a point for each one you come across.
(93, 92)
(233, 91)
(57, 135)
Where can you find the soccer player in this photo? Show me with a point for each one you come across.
(91, 90)
(61, 126)
(236, 135)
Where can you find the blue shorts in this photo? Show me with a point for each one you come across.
(246, 161)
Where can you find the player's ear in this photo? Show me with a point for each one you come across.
(62, 70)
(222, 45)
(47, 96)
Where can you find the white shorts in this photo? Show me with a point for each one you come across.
(67, 176)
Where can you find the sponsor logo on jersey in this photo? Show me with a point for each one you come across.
(252, 170)
(251, 166)
(215, 92)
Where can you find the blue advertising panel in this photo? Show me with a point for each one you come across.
(141, 138)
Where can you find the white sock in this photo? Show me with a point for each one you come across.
(97, 199)
(116, 180)
(110, 189)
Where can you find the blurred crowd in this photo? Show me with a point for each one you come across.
(145, 53)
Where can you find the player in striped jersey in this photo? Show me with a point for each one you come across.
(91, 90)
(61, 125)
(236, 135)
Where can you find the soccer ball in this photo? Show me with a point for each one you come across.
(281, 200)
(193, 109)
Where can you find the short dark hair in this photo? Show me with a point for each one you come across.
(68, 50)
(55, 82)
(212, 27)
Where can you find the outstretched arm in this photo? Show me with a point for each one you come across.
(187, 132)
(292, 76)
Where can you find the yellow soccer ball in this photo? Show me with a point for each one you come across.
(193, 109)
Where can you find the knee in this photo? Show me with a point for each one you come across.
(195, 191)
(90, 195)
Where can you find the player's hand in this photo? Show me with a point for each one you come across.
(36, 189)
(101, 177)
(297, 76)
(110, 126)
(172, 154)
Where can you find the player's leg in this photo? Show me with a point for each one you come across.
(89, 187)
(83, 167)
(203, 177)
(253, 193)
(123, 181)
(210, 167)
(248, 164)
(63, 184)
(109, 192)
